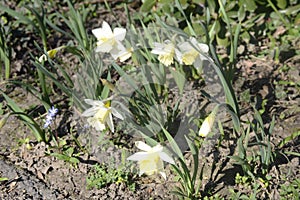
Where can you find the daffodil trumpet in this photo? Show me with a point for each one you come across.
(100, 114)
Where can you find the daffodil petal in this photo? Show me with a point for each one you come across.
(106, 30)
(93, 102)
(204, 47)
(201, 46)
(198, 63)
(157, 148)
(114, 52)
(124, 55)
(143, 146)
(97, 32)
(43, 58)
(116, 113)
(119, 33)
(185, 46)
(141, 172)
(104, 47)
(94, 122)
(110, 123)
(178, 56)
(158, 48)
(90, 112)
(166, 157)
(138, 156)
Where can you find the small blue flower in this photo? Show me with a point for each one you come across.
(50, 116)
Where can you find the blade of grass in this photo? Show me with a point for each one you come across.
(35, 128)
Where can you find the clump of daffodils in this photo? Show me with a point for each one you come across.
(189, 52)
(100, 114)
(150, 160)
(110, 41)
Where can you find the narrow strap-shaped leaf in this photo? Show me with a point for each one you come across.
(36, 130)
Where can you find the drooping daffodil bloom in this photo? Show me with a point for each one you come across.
(192, 52)
(150, 160)
(100, 114)
(108, 40)
(51, 54)
(208, 123)
(166, 52)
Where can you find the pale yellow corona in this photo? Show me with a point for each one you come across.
(166, 52)
(100, 114)
(150, 160)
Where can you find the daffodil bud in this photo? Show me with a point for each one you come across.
(208, 123)
(51, 54)
(108, 84)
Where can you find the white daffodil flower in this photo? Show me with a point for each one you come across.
(151, 159)
(166, 52)
(208, 123)
(192, 52)
(108, 40)
(100, 114)
(121, 53)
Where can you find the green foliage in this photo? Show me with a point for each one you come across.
(289, 138)
(25, 118)
(258, 163)
(5, 51)
(102, 175)
(190, 180)
(290, 190)
(66, 152)
(228, 24)
(223, 25)
(3, 179)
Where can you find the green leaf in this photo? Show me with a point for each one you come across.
(19, 16)
(35, 128)
(250, 5)
(213, 30)
(173, 144)
(3, 179)
(238, 160)
(47, 73)
(222, 41)
(147, 5)
(281, 4)
(179, 79)
(245, 36)
(292, 153)
(241, 13)
(289, 138)
(61, 156)
(292, 10)
(74, 160)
